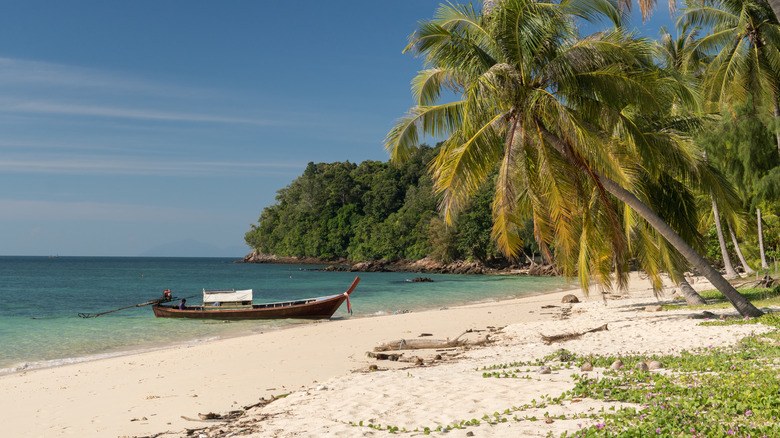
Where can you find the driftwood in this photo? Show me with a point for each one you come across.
(421, 344)
(383, 356)
(764, 282)
(264, 402)
(570, 336)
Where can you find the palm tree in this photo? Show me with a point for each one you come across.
(735, 242)
(746, 37)
(568, 121)
(745, 42)
(683, 56)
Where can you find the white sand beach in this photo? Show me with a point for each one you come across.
(324, 368)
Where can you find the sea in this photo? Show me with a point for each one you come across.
(42, 298)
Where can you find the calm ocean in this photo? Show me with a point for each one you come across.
(42, 296)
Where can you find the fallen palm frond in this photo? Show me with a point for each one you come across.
(570, 336)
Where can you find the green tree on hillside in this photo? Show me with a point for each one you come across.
(367, 212)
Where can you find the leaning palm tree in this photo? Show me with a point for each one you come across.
(569, 122)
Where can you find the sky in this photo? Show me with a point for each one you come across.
(165, 127)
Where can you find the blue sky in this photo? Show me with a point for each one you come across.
(130, 128)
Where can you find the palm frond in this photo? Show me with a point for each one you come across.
(437, 121)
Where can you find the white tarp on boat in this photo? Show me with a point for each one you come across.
(223, 296)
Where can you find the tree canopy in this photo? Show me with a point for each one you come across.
(372, 211)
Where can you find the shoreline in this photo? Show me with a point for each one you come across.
(164, 385)
(420, 266)
(324, 368)
(242, 332)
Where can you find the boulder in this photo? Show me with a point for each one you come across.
(542, 271)
(369, 266)
(570, 298)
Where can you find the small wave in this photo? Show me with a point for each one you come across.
(486, 300)
(36, 365)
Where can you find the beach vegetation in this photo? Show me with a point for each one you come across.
(761, 297)
(371, 211)
(579, 128)
(705, 392)
(742, 81)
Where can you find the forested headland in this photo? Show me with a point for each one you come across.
(371, 211)
(375, 211)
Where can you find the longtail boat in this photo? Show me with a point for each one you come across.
(233, 304)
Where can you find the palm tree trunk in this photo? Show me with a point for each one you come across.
(743, 306)
(745, 266)
(775, 5)
(730, 272)
(764, 265)
(691, 296)
(777, 111)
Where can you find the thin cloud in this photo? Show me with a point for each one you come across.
(21, 72)
(42, 88)
(90, 166)
(32, 210)
(105, 111)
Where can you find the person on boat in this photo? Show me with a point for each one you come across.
(183, 305)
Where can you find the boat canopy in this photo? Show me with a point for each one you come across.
(226, 296)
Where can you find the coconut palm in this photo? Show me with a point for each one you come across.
(683, 56)
(738, 250)
(745, 44)
(574, 125)
(746, 40)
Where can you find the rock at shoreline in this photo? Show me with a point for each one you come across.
(370, 266)
(543, 271)
(570, 298)
(257, 257)
(423, 266)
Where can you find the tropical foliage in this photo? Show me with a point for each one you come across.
(586, 148)
(371, 211)
(743, 82)
(568, 121)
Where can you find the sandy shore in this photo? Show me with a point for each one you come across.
(326, 371)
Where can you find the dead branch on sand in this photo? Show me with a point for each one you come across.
(570, 336)
(424, 344)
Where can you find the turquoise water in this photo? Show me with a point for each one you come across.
(41, 298)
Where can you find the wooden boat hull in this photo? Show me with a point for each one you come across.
(312, 308)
